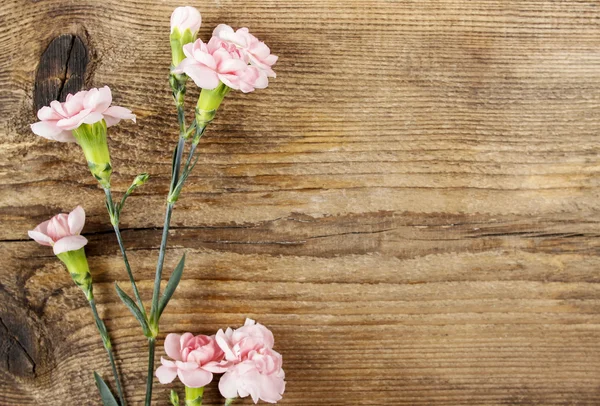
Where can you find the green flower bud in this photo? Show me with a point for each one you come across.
(92, 139)
(140, 179)
(174, 398)
(77, 264)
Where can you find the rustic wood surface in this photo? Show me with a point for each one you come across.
(412, 205)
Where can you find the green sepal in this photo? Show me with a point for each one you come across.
(92, 139)
(134, 310)
(194, 396)
(108, 398)
(174, 398)
(78, 268)
(178, 40)
(172, 284)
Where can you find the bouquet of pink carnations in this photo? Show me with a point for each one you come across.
(231, 60)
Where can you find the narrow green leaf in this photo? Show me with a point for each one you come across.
(134, 309)
(171, 286)
(107, 397)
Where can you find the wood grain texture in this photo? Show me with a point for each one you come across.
(412, 205)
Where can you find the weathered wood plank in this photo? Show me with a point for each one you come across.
(412, 205)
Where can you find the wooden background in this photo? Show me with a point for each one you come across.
(412, 205)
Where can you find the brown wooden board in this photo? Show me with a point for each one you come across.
(412, 206)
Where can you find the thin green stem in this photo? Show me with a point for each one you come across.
(150, 378)
(109, 351)
(229, 401)
(159, 267)
(115, 222)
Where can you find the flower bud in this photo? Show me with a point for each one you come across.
(185, 23)
(140, 179)
(78, 267)
(92, 139)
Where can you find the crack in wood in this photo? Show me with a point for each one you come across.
(61, 70)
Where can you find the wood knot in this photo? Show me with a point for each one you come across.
(61, 70)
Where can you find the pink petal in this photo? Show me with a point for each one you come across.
(196, 378)
(271, 388)
(49, 130)
(231, 65)
(217, 367)
(188, 50)
(104, 99)
(166, 374)
(71, 243)
(168, 363)
(58, 227)
(47, 114)
(223, 343)
(76, 220)
(223, 31)
(172, 346)
(40, 238)
(93, 117)
(228, 385)
(72, 123)
(202, 76)
(74, 103)
(98, 100)
(114, 114)
(186, 366)
(58, 108)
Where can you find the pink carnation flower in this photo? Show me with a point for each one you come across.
(196, 358)
(85, 107)
(236, 344)
(218, 61)
(62, 231)
(256, 368)
(258, 52)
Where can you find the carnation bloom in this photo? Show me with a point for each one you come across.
(85, 107)
(260, 375)
(215, 62)
(236, 344)
(258, 52)
(195, 360)
(255, 368)
(186, 18)
(62, 231)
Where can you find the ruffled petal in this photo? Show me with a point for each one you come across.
(196, 378)
(40, 238)
(228, 385)
(166, 374)
(231, 65)
(104, 99)
(71, 243)
(49, 130)
(114, 114)
(72, 123)
(46, 114)
(93, 117)
(202, 76)
(76, 220)
(172, 346)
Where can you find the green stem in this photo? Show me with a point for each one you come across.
(229, 401)
(150, 377)
(193, 396)
(109, 351)
(114, 217)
